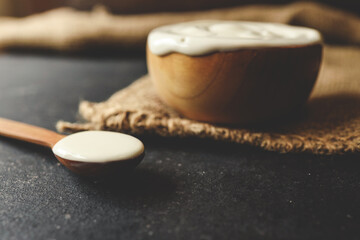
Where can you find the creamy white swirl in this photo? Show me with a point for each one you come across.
(207, 36)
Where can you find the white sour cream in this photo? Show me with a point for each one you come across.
(207, 36)
(98, 146)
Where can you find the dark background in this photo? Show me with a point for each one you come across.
(183, 189)
(141, 6)
(23, 8)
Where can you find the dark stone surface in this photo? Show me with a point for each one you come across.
(184, 189)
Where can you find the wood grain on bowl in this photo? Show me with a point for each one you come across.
(237, 87)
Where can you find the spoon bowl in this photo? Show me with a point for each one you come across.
(93, 169)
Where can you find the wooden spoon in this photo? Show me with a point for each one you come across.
(90, 153)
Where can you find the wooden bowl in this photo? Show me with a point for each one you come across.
(237, 87)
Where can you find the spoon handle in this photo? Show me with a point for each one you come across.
(28, 133)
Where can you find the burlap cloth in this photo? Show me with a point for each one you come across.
(330, 124)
